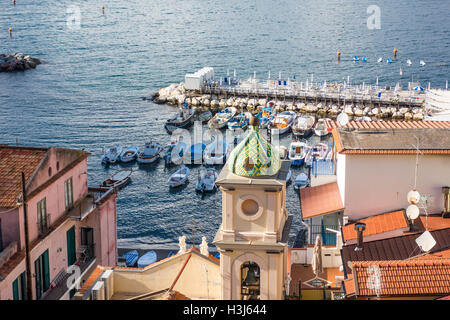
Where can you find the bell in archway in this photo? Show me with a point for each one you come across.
(251, 276)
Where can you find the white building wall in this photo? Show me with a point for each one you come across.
(340, 173)
(380, 183)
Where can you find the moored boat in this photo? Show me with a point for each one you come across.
(303, 125)
(205, 116)
(301, 180)
(118, 179)
(265, 116)
(183, 119)
(175, 152)
(220, 120)
(215, 153)
(297, 152)
(282, 122)
(131, 257)
(283, 151)
(112, 155)
(320, 129)
(240, 121)
(129, 154)
(148, 258)
(206, 180)
(194, 153)
(179, 177)
(151, 153)
(319, 151)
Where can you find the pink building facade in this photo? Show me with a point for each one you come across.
(69, 224)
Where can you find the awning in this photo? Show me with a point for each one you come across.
(320, 200)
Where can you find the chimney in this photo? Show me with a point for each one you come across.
(446, 192)
(359, 227)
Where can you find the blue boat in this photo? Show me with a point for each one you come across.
(131, 257)
(300, 181)
(355, 58)
(389, 60)
(147, 259)
(174, 153)
(238, 122)
(364, 59)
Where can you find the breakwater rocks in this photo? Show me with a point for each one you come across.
(17, 62)
(176, 94)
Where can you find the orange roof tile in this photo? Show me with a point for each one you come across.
(443, 254)
(349, 286)
(435, 222)
(377, 224)
(14, 160)
(402, 277)
(320, 200)
(91, 280)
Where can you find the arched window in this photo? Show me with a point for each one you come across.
(250, 281)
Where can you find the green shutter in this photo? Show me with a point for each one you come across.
(46, 271)
(71, 254)
(16, 289)
(37, 271)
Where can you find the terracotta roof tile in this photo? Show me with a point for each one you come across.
(377, 224)
(14, 160)
(402, 278)
(91, 280)
(349, 286)
(319, 200)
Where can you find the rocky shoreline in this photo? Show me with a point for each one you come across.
(17, 62)
(176, 94)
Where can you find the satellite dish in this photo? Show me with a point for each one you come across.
(342, 119)
(412, 211)
(413, 197)
(426, 241)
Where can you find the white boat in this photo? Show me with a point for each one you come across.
(297, 152)
(363, 118)
(194, 153)
(319, 150)
(215, 153)
(283, 151)
(422, 63)
(300, 181)
(282, 122)
(179, 177)
(266, 115)
(151, 153)
(320, 129)
(409, 62)
(220, 120)
(112, 155)
(129, 154)
(303, 125)
(206, 180)
(175, 152)
(240, 121)
(380, 60)
(118, 179)
(183, 119)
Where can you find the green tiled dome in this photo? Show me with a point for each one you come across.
(254, 156)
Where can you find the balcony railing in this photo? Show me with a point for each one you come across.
(59, 286)
(44, 226)
(94, 197)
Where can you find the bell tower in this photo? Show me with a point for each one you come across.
(252, 239)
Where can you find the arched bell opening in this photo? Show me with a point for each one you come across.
(250, 281)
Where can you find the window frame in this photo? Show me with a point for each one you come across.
(42, 215)
(68, 193)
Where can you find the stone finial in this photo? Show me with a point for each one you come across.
(204, 247)
(182, 244)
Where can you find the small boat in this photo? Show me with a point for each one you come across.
(131, 257)
(282, 122)
(205, 116)
(363, 118)
(422, 63)
(303, 125)
(148, 258)
(320, 128)
(179, 177)
(118, 179)
(175, 152)
(215, 153)
(206, 180)
(297, 152)
(355, 58)
(364, 59)
(319, 151)
(220, 120)
(265, 116)
(300, 181)
(194, 153)
(129, 154)
(283, 151)
(151, 153)
(184, 119)
(289, 176)
(380, 60)
(112, 155)
(409, 62)
(240, 121)
(389, 60)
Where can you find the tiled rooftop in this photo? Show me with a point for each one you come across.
(392, 141)
(377, 224)
(397, 248)
(14, 160)
(402, 278)
(390, 124)
(320, 200)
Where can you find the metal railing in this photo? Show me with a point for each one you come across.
(328, 238)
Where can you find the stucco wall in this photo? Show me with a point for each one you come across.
(380, 183)
(10, 226)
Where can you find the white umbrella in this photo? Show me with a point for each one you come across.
(317, 257)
